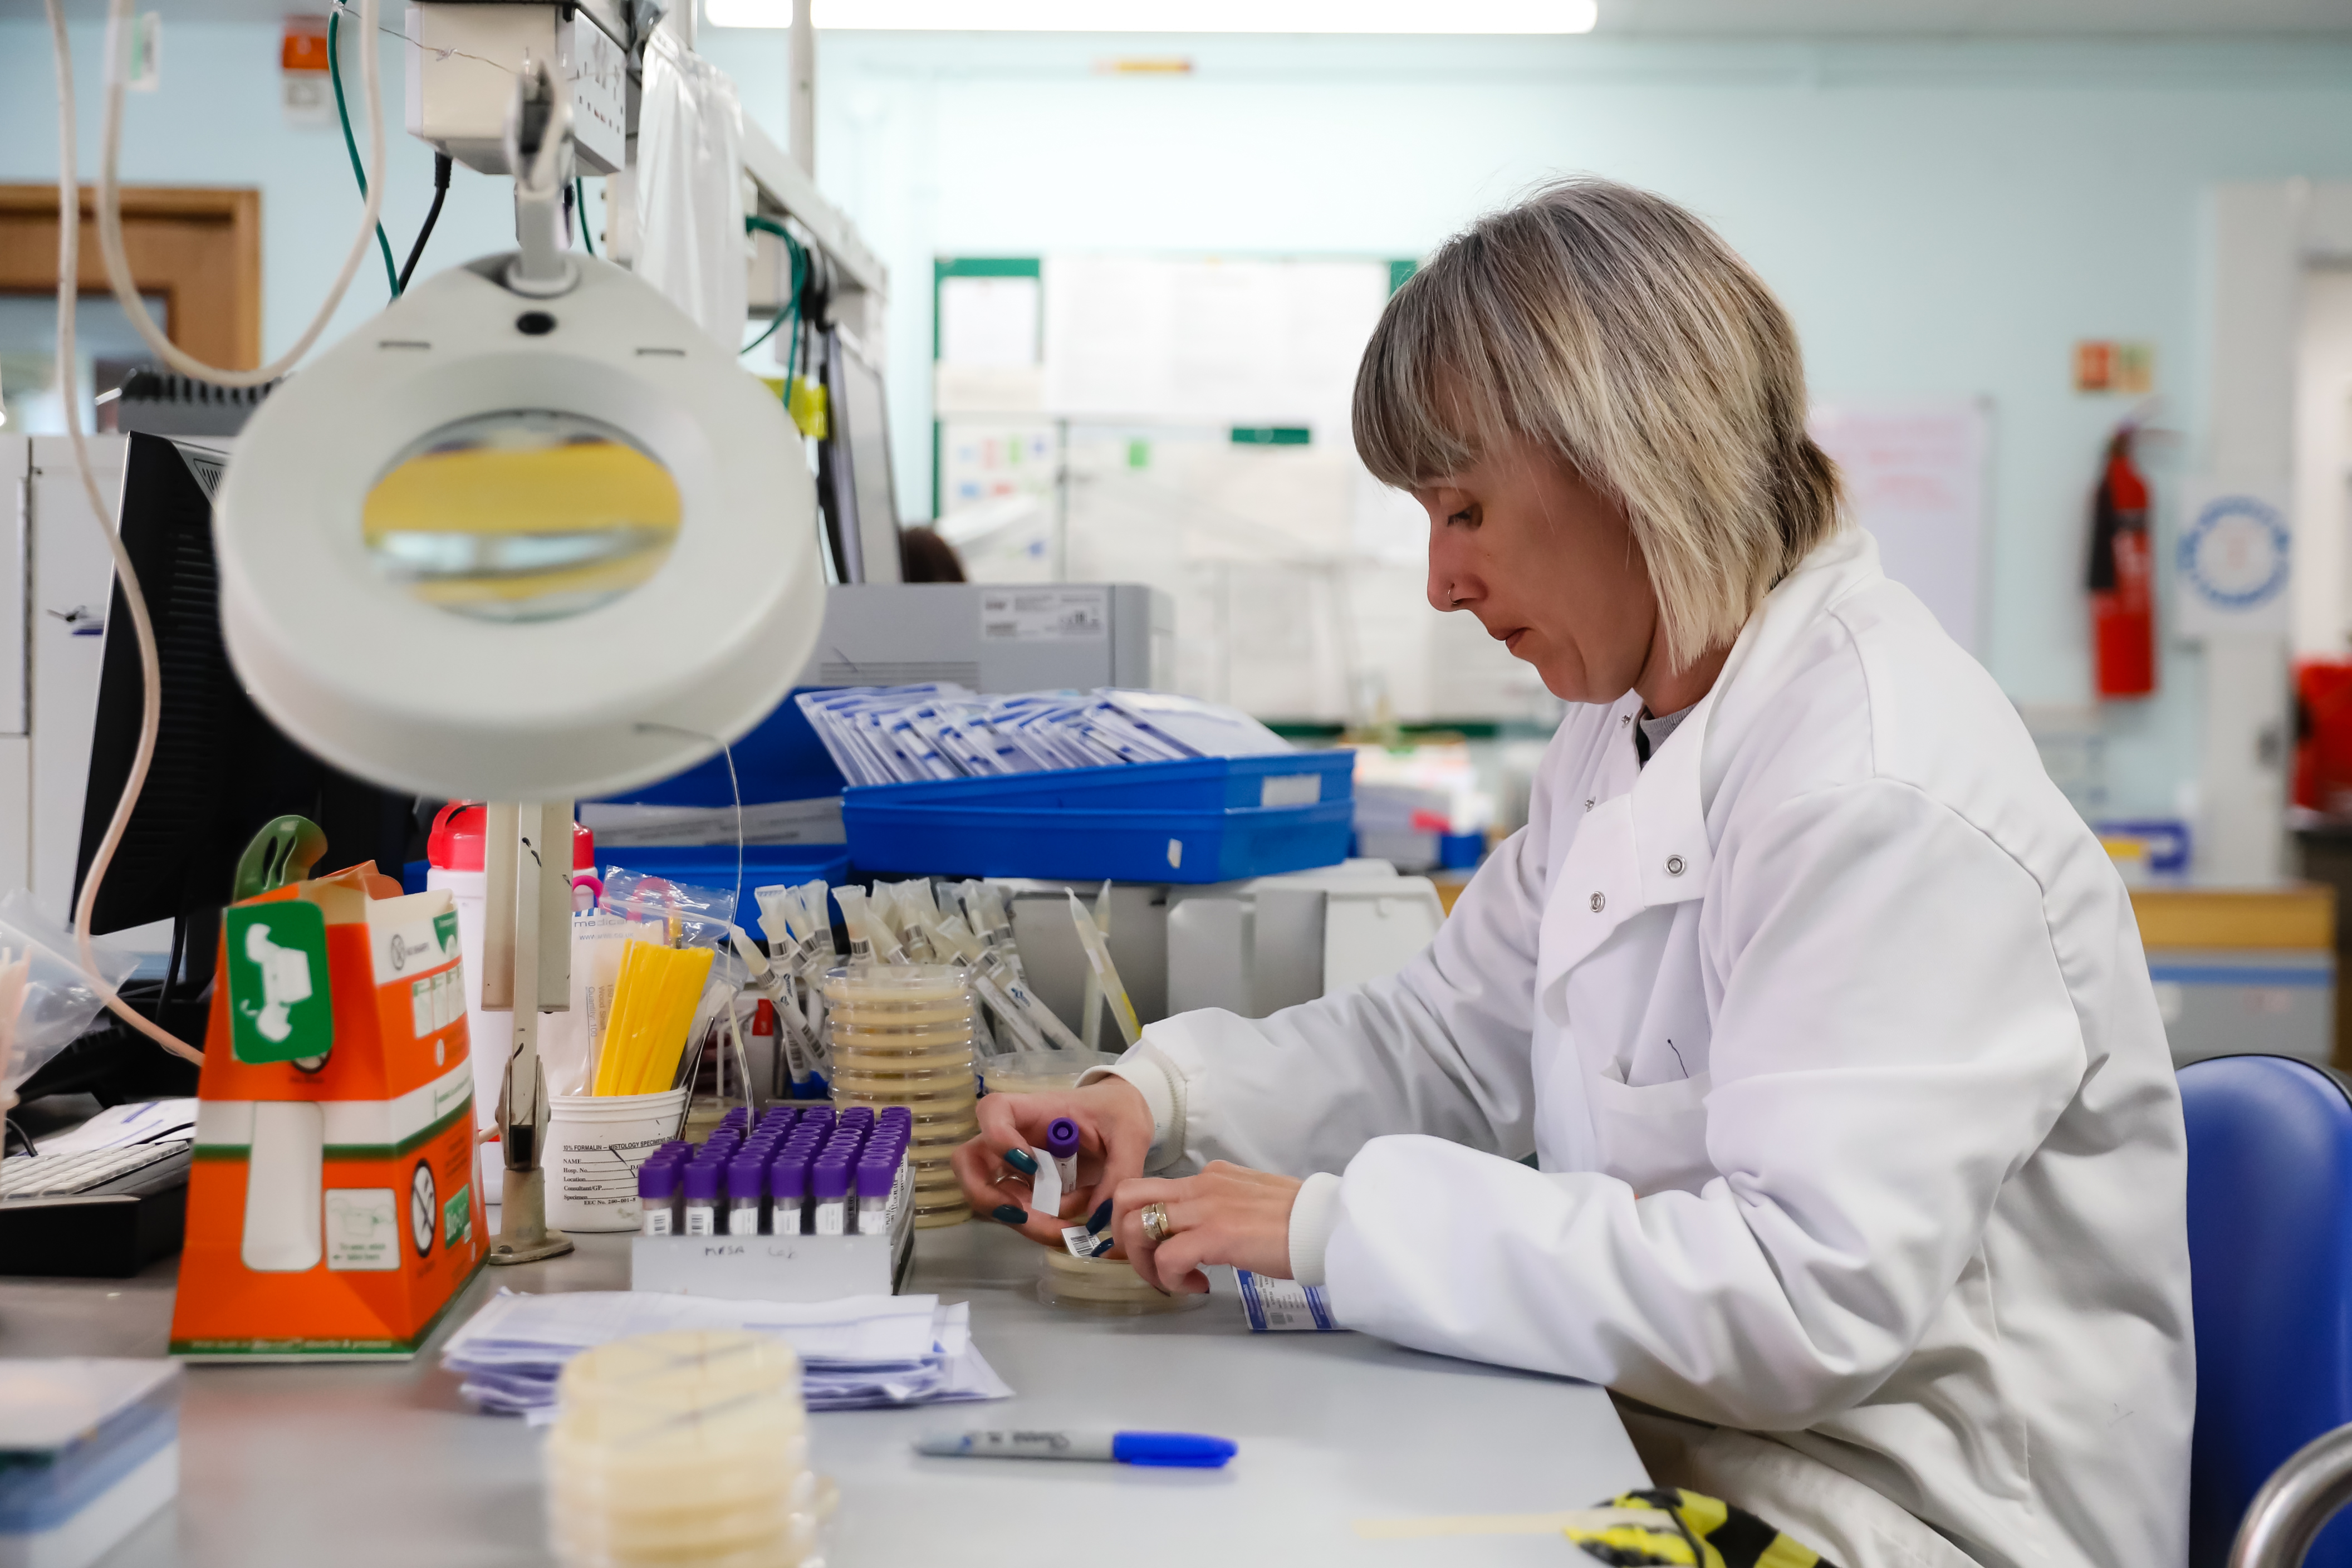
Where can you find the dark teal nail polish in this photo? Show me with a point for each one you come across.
(1107, 1244)
(1022, 1161)
(1011, 1215)
(1100, 1217)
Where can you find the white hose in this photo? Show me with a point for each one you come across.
(109, 207)
(126, 291)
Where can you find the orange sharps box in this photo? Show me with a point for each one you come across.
(331, 1207)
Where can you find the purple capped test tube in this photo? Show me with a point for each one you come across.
(829, 1194)
(878, 1171)
(657, 1184)
(787, 1192)
(747, 1193)
(701, 1206)
(1062, 1143)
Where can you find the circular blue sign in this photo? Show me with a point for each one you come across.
(2235, 553)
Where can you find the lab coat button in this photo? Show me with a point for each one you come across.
(1597, 902)
(1588, 802)
(1674, 865)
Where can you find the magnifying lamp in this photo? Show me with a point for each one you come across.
(529, 534)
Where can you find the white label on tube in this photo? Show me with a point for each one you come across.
(829, 1217)
(743, 1221)
(698, 1219)
(1047, 1184)
(657, 1221)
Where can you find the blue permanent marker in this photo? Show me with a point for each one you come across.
(1174, 1450)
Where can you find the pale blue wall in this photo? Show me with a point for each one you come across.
(1942, 218)
(216, 120)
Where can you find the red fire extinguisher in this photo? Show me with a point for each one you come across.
(2121, 578)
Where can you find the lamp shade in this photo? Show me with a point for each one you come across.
(503, 548)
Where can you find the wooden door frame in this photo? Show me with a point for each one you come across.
(33, 269)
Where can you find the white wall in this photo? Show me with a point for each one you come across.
(1942, 218)
(2323, 464)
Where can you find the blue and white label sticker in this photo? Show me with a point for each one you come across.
(1080, 1242)
(1284, 1306)
(2234, 561)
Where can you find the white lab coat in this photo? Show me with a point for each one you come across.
(1854, 1121)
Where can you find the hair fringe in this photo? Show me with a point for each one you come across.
(1614, 329)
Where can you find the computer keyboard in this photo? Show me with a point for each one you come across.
(49, 1175)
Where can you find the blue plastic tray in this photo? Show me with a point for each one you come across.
(713, 866)
(1197, 784)
(1062, 842)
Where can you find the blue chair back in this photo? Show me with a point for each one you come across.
(2270, 1249)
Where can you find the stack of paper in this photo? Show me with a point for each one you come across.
(857, 1353)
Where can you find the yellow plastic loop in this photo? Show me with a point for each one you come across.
(809, 408)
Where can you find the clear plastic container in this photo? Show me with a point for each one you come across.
(902, 1036)
(1039, 1073)
(1106, 1285)
(680, 1449)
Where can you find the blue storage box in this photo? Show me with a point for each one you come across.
(1042, 838)
(1196, 783)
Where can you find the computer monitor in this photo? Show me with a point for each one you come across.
(221, 770)
(853, 482)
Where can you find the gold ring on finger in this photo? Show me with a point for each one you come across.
(1156, 1228)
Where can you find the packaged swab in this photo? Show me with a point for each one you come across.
(1090, 1004)
(1090, 937)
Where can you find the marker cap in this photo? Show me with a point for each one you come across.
(1171, 1450)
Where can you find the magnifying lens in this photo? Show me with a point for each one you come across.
(529, 534)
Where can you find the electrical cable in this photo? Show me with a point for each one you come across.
(580, 204)
(126, 292)
(753, 223)
(335, 78)
(151, 716)
(110, 207)
(431, 216)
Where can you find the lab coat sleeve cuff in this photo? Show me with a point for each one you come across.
(1313, 1216)
(1163, 1091)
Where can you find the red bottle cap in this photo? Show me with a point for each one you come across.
(455, 842)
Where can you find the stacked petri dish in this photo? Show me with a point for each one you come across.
(902, 1036)
(683, 1447)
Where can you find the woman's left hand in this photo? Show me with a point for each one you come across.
(1225, 1215)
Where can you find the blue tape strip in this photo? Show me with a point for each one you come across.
(2317, 978)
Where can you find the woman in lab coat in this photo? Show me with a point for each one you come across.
(1858, 1160)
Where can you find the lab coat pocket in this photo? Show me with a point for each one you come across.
(1653, 1138)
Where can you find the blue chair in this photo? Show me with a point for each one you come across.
(2270, 1248)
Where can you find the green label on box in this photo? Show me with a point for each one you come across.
(457, 1217)
(280, 1008)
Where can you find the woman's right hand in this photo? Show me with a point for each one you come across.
(1114, 1138)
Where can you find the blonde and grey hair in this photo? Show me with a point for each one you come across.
(1616, 330)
